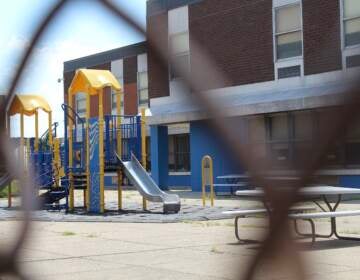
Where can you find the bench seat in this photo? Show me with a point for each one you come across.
(320, 215)
(252, 212)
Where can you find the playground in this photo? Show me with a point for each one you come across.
(69, 168)
(90, 148)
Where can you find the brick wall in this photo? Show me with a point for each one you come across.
(157, 32)
(322, 42)
(130, 86)
(237, 36)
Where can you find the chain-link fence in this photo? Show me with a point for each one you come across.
(341, 115)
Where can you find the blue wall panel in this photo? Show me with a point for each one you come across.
(159, 155)
(203, 141)
(352, 181)
(179, 180)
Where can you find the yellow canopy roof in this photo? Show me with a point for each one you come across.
(28, 104)
(90, 81)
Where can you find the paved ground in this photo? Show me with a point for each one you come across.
(184, 250)
(191, 210)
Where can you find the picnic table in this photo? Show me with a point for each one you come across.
(232, 181)
(314, 194)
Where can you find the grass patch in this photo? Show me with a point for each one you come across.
(15, 190)
(350, 231)
(68, 233)
(216, 250)
(91, 235)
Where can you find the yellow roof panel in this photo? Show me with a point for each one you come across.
(90, 81)
(28, 104)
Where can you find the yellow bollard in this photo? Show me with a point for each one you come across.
(143, 146)
(207, 179)
(119, 147)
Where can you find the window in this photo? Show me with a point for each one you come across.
(351, 17)
(180, 58)
(257, 137)
(352, 145)
(288, 31)
(80, 104)
(278, 135)
(179, 153)
(113, 102)
(143, 93)
(113, 98)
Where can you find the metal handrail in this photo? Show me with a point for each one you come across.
(65, 107)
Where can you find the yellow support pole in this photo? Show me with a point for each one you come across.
(36, 130)
(50, 131)
(70, 133)
(207, 162)
(143, 146)
(22, 156)
(119, 147)
(87, 153)
(9, 195)
(101, 152)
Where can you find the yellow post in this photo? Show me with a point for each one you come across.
(143, 146)
(70, 133)
(119, 147)
(36, 130)
(87, 153)
(101, 152)
(9, 195)
(22, 157)
(50, 131)
(207, 163)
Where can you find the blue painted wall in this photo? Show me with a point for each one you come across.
(159, 155)
(203, 141)
(179, 180)
(352, 181)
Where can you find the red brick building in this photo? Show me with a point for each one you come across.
(283, 63)
(128, 64)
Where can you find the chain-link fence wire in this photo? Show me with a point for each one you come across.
(278, 241)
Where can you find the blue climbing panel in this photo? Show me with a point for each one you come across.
(94, 166)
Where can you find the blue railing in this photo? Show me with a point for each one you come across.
(130, 137)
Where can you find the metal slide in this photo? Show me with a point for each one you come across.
(147, 187)
(4, 180)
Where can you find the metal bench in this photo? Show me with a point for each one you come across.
(233, 186)
(321, 215)
(237, 214)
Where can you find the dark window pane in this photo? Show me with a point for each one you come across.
(289, 45)
(287, 72)
(352, 61)
(279, 127)
(181, 63)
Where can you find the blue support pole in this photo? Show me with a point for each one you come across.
(160, 156)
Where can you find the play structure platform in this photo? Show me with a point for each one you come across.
(93, 145)
(147, 187)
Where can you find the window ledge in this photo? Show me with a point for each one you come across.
(184, 173)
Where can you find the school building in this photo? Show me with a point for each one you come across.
(285, 62)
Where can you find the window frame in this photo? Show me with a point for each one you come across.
(113, 94)
(139, 89)
(346, 50)
(289, 61)
(176, 154)
(180, 54)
